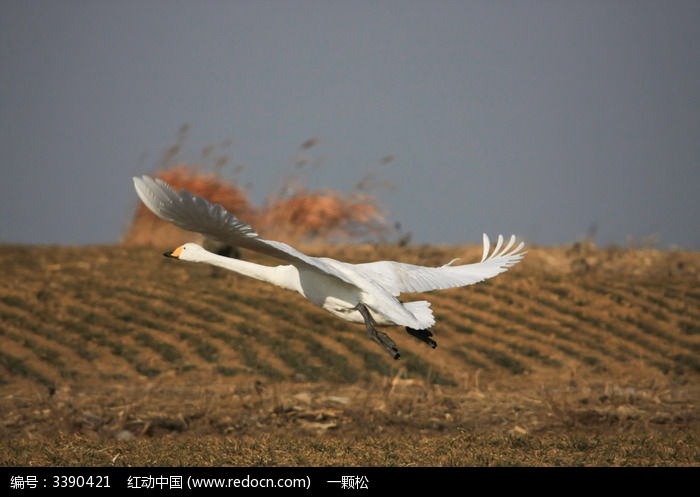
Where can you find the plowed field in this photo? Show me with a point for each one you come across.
(578, 355)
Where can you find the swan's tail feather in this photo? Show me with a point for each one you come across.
(422, 311)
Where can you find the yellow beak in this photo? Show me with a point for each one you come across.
(175, 254)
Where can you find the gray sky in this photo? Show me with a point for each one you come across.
(540, 118)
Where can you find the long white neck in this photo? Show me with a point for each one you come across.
(277, 275)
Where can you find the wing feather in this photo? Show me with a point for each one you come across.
(399, 278)
(487, 247)
(194, 213)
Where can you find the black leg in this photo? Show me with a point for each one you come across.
(381, 338)
(422, 335)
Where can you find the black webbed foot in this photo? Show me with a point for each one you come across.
(422, 335)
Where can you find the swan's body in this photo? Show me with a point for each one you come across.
(365, 293)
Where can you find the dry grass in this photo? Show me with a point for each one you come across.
(677, 448)
(292, 213)
(169, 422)
(321, 215)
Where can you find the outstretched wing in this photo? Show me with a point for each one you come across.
(397, 277)
(194, 213)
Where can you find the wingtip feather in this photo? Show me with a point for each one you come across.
(499, 243)
(487, 247)
(499, 250)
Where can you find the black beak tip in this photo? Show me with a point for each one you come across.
(167, 254)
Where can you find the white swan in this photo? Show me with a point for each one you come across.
(355, 292)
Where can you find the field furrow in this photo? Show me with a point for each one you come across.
(491, 325)
(597, 329)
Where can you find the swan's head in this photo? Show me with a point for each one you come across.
(187, 252)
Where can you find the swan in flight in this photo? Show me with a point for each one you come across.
(363, 293)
